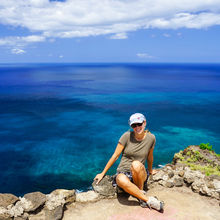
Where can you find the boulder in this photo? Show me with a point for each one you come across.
(178, 181)
(204, 190)
(55, 214)
(68, 195)
(216, 184)
(7, 199)
(38, 216)
(158, 176)
(23, 217)
(169, 184)
(189, 176)
(4, 215)
(89, 196)
(18, 209)
(104, 187)
(54, 201)
(170, 174)
(197, 185)
(37, 200)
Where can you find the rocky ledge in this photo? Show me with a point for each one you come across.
(194, 167)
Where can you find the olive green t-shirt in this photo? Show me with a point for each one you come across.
(134, 150)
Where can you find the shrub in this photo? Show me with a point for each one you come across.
(205, 146)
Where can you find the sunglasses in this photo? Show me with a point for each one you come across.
(137, 125)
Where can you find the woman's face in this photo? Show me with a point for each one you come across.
(139, 129)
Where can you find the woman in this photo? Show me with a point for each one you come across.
(136, 147)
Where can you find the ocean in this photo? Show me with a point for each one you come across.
(60, 123)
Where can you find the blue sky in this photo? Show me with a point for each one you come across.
(110, 31)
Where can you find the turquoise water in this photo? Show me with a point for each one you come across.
(59, 124)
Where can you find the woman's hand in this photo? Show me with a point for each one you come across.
(153, 172)
(99, 177)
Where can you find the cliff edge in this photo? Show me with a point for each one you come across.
(189, 186)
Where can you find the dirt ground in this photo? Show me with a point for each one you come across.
(180, 204)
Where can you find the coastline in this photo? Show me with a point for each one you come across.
(170, 183)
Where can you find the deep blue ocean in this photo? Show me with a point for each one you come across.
(60, 123)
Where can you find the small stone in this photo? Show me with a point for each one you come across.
(178, 182)
(169, 184)
(181, 173)
(170, 174)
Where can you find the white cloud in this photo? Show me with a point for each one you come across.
(166, 35)
(77, 18)
(17, 51)
(119, 36)
(61, 56)
(21, 41)
(144, 56)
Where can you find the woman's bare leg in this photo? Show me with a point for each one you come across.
(123, 181)
(139, 174)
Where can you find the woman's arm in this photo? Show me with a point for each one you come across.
(150, 160)
(112, 160)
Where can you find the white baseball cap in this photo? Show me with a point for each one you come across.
(136, 118)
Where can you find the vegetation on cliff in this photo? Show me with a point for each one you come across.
(202, 158)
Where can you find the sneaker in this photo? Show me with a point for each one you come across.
(154, 203)
(142, 203)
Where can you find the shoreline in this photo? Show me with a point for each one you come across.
(172, 178)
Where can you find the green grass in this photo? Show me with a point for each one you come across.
(206, 146)
(192, 156)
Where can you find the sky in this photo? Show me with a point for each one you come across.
(94, 31)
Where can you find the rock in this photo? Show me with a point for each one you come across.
(216, 184)
(215, 195)
(204, 190)
(39, 216)
(197, 185)
(181, 173)
(55, 214)
(158, 176)
(7, 199)
(169, 184)
(18, 209)
(104, 187)
(165, 177)
(68, 195)
(54, 201)
(178, 181)
(89, 196)
(189, 176)
(37, 200)
(23, 217)
(170, 174)
(162, 182)
(4, 215)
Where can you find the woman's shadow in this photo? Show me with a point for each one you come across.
(125, 198)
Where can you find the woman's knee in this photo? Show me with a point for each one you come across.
(137, 166)
(122, 180)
